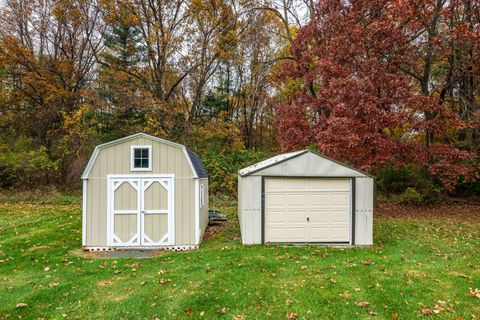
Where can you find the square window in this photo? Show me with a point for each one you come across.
(141, 160)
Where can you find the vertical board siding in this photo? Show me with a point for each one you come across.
(364, 211)
(115, 160)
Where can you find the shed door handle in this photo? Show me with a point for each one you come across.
(308, 219)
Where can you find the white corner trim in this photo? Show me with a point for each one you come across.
(185, 152)
(197, 211)
(109, 200)
(132, 157)
(84, 213)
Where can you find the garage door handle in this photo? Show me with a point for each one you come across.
(308, 219)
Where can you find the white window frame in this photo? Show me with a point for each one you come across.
(202, 195)
(132, 157)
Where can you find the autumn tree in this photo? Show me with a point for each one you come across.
(375, 83)
(49, 51)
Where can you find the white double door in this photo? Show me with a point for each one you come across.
(140, 211)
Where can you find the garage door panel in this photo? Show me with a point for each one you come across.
(295, 184)
(339, 216)
(296, 234)
(277, 217)
(339, 234)
(296, 216)
(297, 200)
(339, 185)
(319, 234)
(318, 199)
(318, 215)
(275, 184)
(290, 201)
(276, 234)
(339, 199)
(277, 200)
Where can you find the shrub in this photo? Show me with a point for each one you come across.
(222, 168)
(27, 168)
(396, 182)
(409, 196)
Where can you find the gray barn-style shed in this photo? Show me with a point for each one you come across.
(305, 197)
(144, 192)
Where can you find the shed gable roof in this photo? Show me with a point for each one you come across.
(197, 168)
(286, 157)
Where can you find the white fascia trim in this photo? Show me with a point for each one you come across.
(197, 211)
(84, 213)
(90, 163)
(89, 166)
(185, 152)
(132, 157)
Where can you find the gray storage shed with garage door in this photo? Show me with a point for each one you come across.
(305, 197)
(144, 192)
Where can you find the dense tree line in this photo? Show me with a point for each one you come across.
(372, 83)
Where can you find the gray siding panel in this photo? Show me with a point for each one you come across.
(364, 211)
(309, 165)
(253, 207)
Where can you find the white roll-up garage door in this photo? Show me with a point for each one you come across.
(307, 209)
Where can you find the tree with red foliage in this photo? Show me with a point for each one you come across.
(378, 83)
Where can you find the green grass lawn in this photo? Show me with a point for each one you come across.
(428, 264)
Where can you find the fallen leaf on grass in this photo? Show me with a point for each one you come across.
(345, 295)
(357, 289)
(362, 304)
(372, 313)
(291, 315)
(426, 311)
(189, 312)
(104, 283)
(53, 284)
(163, 281)
(46, 269)
(437, 309)
(223, 310)
(475, 292)
(22, 305)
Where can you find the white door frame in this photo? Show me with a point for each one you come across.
(140, 207)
